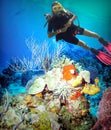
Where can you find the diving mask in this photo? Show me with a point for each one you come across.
(57, 7)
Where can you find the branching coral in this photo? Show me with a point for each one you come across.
(39, 53)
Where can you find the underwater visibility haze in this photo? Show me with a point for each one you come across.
(44, 83)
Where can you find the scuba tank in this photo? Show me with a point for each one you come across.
(48, 17)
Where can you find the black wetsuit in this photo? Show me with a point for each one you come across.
(58, 21)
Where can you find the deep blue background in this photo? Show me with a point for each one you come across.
(21, 19)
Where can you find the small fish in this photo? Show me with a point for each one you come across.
(19, 12)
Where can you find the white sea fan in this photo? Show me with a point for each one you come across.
(63, 90)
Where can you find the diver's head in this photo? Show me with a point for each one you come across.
(57, 7)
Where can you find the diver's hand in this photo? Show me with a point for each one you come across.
(62, 30)
(68, 24)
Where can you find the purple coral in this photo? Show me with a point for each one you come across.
(104, 112)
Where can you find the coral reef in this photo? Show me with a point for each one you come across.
(48, 103)
(74, 121)
(51, 100)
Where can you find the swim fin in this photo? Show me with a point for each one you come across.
(106, 45)
(102, 56)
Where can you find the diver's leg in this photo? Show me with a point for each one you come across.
(103, 57)
(90, 34)
(76, 41)
(106, 45)
(83, 44)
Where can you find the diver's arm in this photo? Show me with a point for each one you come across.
(64, 29)
(73, 18)
(68, 24)
(51, 34)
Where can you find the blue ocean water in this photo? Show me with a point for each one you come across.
(21, 19)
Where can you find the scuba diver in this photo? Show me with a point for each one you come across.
(61, 25)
